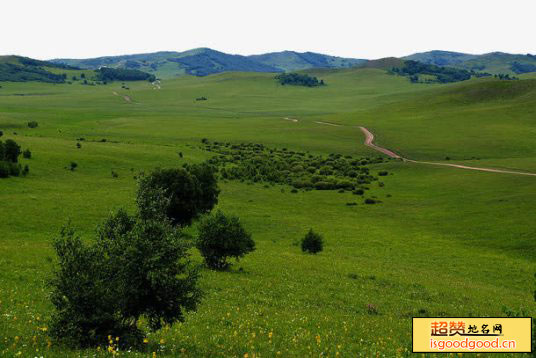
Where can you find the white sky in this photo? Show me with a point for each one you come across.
(351, 28)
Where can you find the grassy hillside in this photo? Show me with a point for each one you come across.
(441, 58)
(294, 61)
(494, 62)
(443, 242)
(23, 69)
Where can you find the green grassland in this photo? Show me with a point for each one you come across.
(443, 242)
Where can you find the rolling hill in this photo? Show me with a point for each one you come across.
(205, 61)
(22, 69)
(294, 61)
(494, 62)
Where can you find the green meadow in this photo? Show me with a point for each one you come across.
(442, 242)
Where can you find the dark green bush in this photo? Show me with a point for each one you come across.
(192, 191)
(10, 151)
(33, 124)
(222, 237)
(26, 154)
(323, 185)
(73, 166)
(4, 169)
(370, 201)
(312, 242)
(14, 169)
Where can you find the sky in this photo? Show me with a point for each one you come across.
(360, 29)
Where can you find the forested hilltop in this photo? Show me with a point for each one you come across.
(23, 69)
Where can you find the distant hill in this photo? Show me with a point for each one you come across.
(23, 69)
(294, 61)
(494, 62)
(384, 63)
(205, 61)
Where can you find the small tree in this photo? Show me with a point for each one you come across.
(312, 242)
(1, 133)
(11, 151)
(192, 191)
(26, 154)
(137, 268)
(73, 166)
(33, 124)
(222, 237)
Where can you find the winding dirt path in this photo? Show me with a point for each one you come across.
(126, 98)
(329, 124)
(369, 141)
(290, 119)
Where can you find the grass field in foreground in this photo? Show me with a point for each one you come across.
(446, 243)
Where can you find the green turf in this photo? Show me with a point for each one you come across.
(447, 242)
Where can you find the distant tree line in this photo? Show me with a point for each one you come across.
(121, 74)
(17, 73)
(413, 69)
(506, 77)
(522, 67)
(36, 63)
(297, 79)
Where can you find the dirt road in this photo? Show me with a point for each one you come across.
(369, 141)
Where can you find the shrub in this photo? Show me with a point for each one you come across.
(9, 169)
(192, 191)
(73, 166)
(78, 145)
(137, 268)
(33, 124)
(11, 151)
(370, 201)
(222, 237)
(25, 170)
(14, 169)
(323, 185)
(4, 169)
(1, 133)
(312, 242)
(358, 192)
(383, 173)
(27, 154)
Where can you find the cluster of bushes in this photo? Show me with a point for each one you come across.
(297, 79)
(121, 74)
(413, 69)
(523, 67)
(139, 265)
(10, 152)
(259, 164)
(505, 77)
